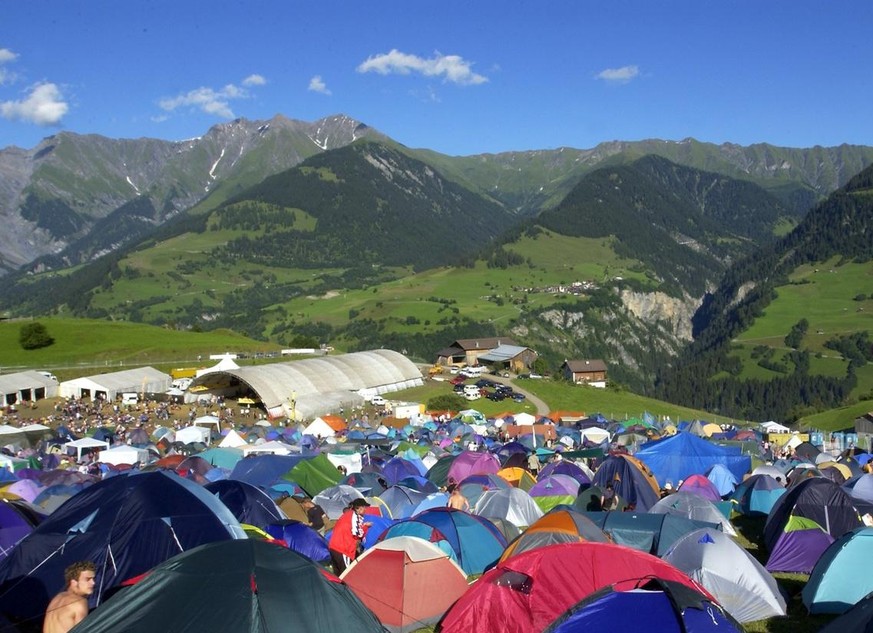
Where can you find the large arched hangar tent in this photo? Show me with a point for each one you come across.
(308, 388)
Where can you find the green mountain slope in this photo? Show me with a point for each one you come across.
(712, 371)
(685, 225)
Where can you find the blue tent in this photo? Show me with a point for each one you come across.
(630, 483)
(300, 538)
(723, 479)
(125, 525)
(839, 580)
(662, 605)
(248, 503)
(679, 456)
(757, 495)
(472, 541)
(265, 470)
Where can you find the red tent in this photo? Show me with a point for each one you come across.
(407, 582)
(526, 593)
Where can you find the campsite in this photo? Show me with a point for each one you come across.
(746, 527)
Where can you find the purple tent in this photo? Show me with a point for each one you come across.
(472, 463)
(27, 489)
(702, 487)
(564, 467)
(15, 524)
(398, 468)
(799, 547)
(555, 485)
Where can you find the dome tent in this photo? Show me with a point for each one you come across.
(247, 585)
(125, 525)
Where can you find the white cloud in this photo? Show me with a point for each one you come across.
(316, 84)
(619, 75)
(452, 68)
(44, 105)
(6, 56)
(211, 101)
(254, 80)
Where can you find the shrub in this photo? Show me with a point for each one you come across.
(34, 336)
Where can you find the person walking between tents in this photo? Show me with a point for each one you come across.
(70, 606)
(346, 540)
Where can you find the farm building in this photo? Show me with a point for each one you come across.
(111, 386)
(469, 350)
(26, 386)
(308, 388)
(512, 357)
(590, 371)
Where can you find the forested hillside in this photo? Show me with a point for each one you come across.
(841, 227)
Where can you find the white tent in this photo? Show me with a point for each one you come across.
(740, 583)
(12, 435)
(225, 364)
(319, 428)
(111, 386)
(274, 447)
(350, 461)
(524, 419)
(232, 440)
(692, 506)
(595, 434)
(26, 386)
(124, 455)
(510, 504)
(209, 421)
(774, 427)
(85, 442)
(191, 434)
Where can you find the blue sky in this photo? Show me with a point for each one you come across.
(459, 77)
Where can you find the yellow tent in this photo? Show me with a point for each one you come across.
(518, 478)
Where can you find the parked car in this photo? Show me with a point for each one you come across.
(518, 397)
(378, 401)
(459, 388)
(496, 396)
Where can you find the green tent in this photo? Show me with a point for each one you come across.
(245, 586)
(314, 475)
(439, 472)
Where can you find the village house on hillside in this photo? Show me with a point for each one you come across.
(469, 350)
(514, 358)
(589, 372)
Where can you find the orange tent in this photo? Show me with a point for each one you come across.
(335, 422)
(560, 526)
(518, 478)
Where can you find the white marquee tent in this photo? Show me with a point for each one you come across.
(26, 386)
(111, 386)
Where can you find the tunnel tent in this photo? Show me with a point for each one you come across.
(111, 386)
(308, 388)
(26, 386)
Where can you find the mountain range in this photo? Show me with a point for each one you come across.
(303, 233)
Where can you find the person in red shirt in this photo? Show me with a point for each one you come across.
(348, 535)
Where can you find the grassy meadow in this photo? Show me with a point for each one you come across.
(83, 345)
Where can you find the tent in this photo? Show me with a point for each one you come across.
(84, 444)
(840, 579)
(472, 541)
(739, 582)
(242, 586)
(692, 506)
(110, 386)
(192, 434)
(631, 479)
(676, 458)
(702, 486)
(566, 467)
(402, 501)
(407, 582)
(817, 499)
(559, 526)
(553, 490)
(858, 619)
(512, 504)
(528, 592)
(125, 524)
(314, 474)
(300, 538)
(336, 499)
(471, 463)
(17, 520)
(248, 503)
(667, 607)
(124, 455)
(651, 533)
(26, 386)
(798, 547)
(757, 495)
(232, 440)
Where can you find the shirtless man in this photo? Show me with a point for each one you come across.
(457, 500)
(70, 606)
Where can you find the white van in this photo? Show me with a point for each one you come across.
(377, 401)
(129, 399)
(474, 372)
